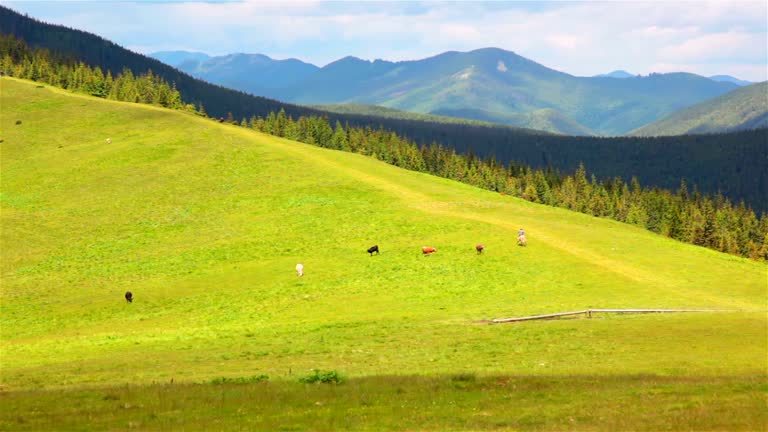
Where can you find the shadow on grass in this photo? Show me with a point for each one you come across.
(446, 402)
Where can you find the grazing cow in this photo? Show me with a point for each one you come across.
(426, 250)
(479, 248)
(109, 140)
(129, 296)
(300, 269)
(372, 249)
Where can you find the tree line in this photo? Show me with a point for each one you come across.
(686, 214)
(40, 65)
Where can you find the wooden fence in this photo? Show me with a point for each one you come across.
(589, 312)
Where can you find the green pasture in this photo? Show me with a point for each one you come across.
(205, 222)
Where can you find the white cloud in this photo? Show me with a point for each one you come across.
(726, 45)
(666, 32)
(568, 41)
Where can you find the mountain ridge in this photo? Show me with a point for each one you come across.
(729, 78)
(495, 85)
(615, 74)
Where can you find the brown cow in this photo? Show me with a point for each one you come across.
(479, 248)
(426, 250)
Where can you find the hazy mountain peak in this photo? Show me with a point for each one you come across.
(349, 60)
(175, 58)
(731, 79)
(616, 74)
(493, 51)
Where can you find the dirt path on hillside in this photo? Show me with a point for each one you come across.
(423, 202)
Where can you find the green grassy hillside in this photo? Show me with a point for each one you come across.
(742, 109)
(541, 120)
(545, 119)
(381, 111)
(204, 223)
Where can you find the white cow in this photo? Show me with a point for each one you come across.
(109, 140)
(300, 269)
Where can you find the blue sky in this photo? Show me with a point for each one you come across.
(580, 38)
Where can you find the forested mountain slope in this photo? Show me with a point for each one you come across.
(742, 109)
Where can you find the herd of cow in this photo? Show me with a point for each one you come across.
(428, 250)
(425, 250)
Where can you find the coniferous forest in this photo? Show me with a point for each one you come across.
(685, 214)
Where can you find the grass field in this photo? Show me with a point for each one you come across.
(204, 223)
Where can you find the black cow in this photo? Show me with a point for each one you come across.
(372, 249)
(129, 296)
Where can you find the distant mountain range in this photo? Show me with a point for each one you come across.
(718, 78)
(742, 109)
(728, 78)
(488, 84)
(253, 73)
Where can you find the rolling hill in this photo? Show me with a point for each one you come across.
(204, 223)
(742, 109)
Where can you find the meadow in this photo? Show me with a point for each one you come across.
(204, 222)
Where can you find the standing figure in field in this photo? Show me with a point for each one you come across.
(372, 249)
(479, 248)
(521, 237)
(300, 269)
(426, 250)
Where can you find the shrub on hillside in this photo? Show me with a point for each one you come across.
(326, 377)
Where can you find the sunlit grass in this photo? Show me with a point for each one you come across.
(205, 222)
